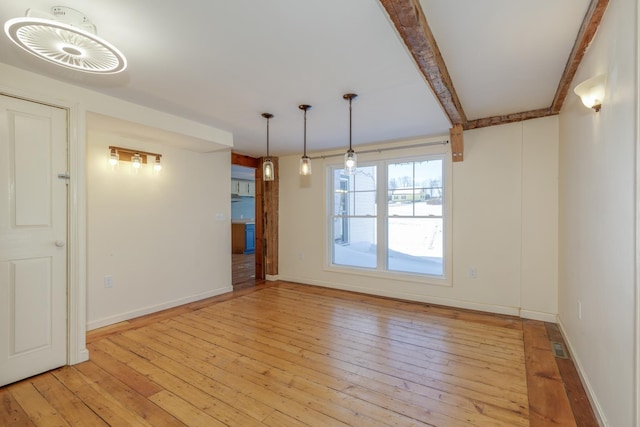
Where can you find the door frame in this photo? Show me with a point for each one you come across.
(76, 218)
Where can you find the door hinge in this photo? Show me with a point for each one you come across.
(64, 176)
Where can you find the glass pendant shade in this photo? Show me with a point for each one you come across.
(305, 165)
(350, 162)
(267, 170)
(157, 165)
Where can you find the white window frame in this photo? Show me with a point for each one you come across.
(382, 162)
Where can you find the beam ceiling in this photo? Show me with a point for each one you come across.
(412, 26)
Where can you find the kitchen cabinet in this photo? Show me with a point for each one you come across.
(235, 187)
(243, 188)
(243, 237)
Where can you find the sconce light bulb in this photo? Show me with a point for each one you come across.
(113, 157)
(157, 166)
(136, 161)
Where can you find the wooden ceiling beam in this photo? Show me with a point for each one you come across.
(411, 24)
(242, 160)
(508, 118)
(588, 29)
(408, 18)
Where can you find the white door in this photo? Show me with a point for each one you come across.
(33, 235)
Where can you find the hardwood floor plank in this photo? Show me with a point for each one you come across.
(250, 379)
(215, 337)
(334, 376)
(284, 354)
(68, 405)
(41, 412)
(423, 350)
(407, 372)
(185, 385)
(100, 401)
(133, 379)
(184, 411)
(12, 413)
(548, 402)
(576, 394)
(130, 398)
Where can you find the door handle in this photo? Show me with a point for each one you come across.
(59, 243)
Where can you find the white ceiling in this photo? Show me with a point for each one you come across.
(222, 63)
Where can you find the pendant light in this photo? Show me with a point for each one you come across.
(305, 161)
(268, 171)
(350, 158)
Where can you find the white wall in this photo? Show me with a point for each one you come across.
(507, 170)
(597, 220)
(164, 202)
(156, 235)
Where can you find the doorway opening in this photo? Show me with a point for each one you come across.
(243, 234)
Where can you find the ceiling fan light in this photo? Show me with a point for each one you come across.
(66, 45)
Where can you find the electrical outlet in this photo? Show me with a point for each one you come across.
(473, 272)
(108, 281)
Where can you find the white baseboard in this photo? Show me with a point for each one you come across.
(585, 381)
(154, 308)
(489, 308)
(538, 315)
(271, 278)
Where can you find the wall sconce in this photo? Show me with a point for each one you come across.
(591, 92)
(136, 157)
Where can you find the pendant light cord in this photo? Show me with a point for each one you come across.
(268, 118)
(305, 133)
(350, 127)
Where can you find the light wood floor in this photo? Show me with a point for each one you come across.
(282, 354)
(243, 271)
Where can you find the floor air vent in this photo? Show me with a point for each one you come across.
(559, 350)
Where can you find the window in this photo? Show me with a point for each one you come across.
(389, 217)
(354, 217)
(414, 217)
